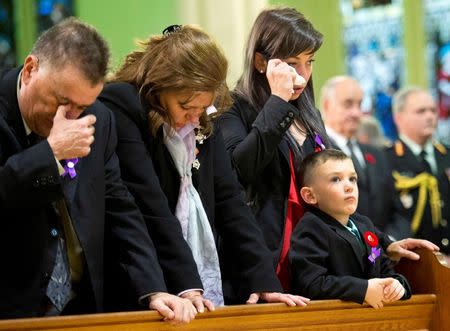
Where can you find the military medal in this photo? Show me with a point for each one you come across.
(407, 200)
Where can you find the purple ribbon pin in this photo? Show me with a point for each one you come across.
(375, 252)
(69, 168)
(319, 141)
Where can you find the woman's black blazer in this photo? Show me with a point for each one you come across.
(149, 172)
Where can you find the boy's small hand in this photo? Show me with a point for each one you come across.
(393, 292)
(374, 294)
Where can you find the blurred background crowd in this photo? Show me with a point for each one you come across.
(384, 44)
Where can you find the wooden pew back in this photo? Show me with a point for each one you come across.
(426, 311)
(318, 315)
(430, 274)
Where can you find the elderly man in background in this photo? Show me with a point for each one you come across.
(340, 102)
(341, 99)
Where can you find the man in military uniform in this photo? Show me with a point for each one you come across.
(421, 167)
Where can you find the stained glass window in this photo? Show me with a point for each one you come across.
(437, 16)
(7, 45)
(51, 12)
(358, 4)
(374, 56)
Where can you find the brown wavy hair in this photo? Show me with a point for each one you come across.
(185, 60)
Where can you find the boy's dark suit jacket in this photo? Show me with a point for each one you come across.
(148, 170)
(327, 261)
(99, 204)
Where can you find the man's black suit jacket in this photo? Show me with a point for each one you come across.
(101, 208)
(327, 262)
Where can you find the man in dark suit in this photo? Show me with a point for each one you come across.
(61, 197)
(341, 99)
(421, 167)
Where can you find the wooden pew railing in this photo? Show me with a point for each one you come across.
(428, 309)
(431, 274)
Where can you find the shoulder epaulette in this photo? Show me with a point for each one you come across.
(399, 149)
(441, 148)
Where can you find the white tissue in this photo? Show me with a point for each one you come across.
(299, 81)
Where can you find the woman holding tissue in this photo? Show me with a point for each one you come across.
(273, 124)
(176, 166)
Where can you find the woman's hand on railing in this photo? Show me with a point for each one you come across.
(174, 309)
(197, 299)
(272, 297)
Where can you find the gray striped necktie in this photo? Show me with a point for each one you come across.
(59, 286)
(360, 170)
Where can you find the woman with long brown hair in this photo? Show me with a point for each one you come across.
(273, 124)
(176, 166)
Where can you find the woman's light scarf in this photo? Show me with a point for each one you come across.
(191, 214)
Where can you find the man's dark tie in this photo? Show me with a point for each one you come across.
(358, 167)
(424, 162)
(59, 286)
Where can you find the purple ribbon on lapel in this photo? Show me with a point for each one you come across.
(69, 168)
(319, 141)
(375, 252)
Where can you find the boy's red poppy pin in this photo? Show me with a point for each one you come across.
(371, 239)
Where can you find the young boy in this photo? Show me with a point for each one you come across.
(334, 252)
